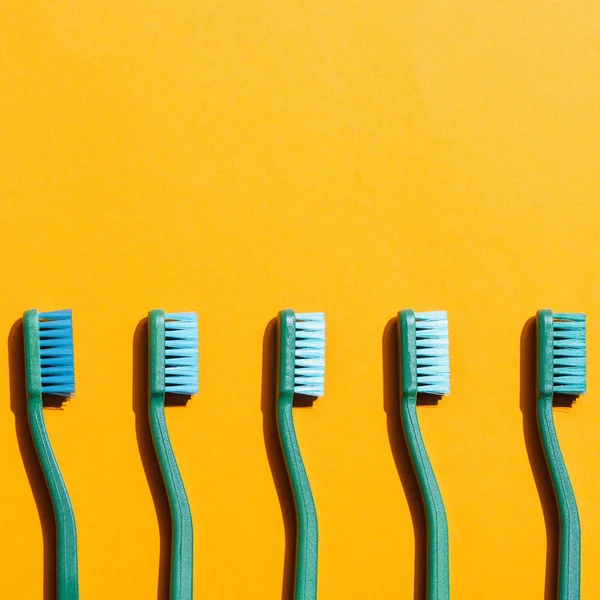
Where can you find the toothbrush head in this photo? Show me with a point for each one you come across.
(309, 363)
(425, 352)
(561, 353)
(173, 352)
(302, 353)
(49, 356)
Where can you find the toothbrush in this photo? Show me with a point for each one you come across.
(173, 369)
(49, 369)
(561, 350)
(301, 370)
(425, 365)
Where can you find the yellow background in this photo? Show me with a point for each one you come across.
(235, 158)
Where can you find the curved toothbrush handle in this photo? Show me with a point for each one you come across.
(67, 579)
(438, 579)
(182, 546)
(307, 543)
(569, 557)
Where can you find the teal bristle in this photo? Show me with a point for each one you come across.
(309, 363)
(57, 360)
(569, 353)
(181, 353)
(433, 357)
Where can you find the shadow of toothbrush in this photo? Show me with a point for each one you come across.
(148, 456)
(31, 463)
(536, 454)
(391, 404)
(275, 457)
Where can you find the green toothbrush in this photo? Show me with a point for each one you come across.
(301, 370)
(49, 369)
(561, 353)
(425, 365)
(173, 369)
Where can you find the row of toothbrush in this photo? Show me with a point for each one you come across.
(425, 368)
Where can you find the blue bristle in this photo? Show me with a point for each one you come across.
(569, 353)
(433, 356)
(56, 353)
(181, 353)
(309, 372)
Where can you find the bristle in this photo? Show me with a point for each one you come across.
(433, 357)
(181, 353)
(309, 372)
(569, 353)
(56, 353)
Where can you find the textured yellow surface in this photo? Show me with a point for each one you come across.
(355, 158)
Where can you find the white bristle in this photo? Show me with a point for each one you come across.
(309, 372)
(181, 353)
(433, 356)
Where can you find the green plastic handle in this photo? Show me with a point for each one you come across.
(438, 570)
(438, 580)
(67, 579)
(569, 558)
(182, 547)
(307, 540)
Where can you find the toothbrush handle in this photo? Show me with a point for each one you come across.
(307, 543)
(182, 546)
(438, 579)
(569, 557)
(67, 580)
